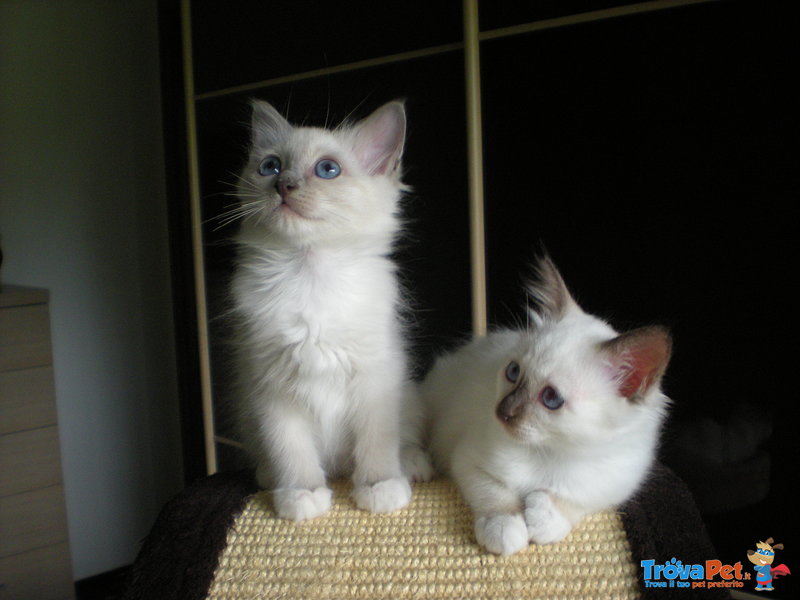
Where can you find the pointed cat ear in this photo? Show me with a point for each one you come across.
(551, 297)
(267, 124)
(379, 139)
(638, 359)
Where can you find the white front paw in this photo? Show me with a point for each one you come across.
(384, 496)
(300, 504)
(502, 534)
(415, 463)
(545, 522)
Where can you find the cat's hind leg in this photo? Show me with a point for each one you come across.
(415, 461)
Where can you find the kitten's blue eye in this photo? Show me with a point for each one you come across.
(512, 372)
(327, 169)
(551, 398)
(269, 166)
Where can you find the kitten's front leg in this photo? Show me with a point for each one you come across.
(501, 533)
(548, 520)
(379, 484)
(301, 504)
(499, 524)
(300, 491)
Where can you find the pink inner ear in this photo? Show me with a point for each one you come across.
(637, 375)
(640, 358)
(379, 141)
(376, 154)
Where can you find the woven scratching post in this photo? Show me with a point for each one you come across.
(426, 550)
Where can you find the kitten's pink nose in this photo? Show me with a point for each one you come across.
(285, 186)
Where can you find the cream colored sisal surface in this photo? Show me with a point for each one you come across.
(426, 550)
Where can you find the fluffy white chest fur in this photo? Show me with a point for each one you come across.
(320, 312)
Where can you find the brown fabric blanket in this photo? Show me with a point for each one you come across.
(180, 555)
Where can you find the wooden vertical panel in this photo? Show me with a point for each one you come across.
(197, 242)
(472, 68)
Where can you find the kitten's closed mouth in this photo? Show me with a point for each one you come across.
(285, 206)
(291, 210)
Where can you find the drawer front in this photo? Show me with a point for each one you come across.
(27, 399)
(24, 337)
(29, 460)
(43, 574)
(32, 520)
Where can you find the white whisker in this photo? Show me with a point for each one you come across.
(243, 211)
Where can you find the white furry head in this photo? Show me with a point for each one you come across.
(303, 185)
(571, 379)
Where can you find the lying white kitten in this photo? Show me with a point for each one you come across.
(543, 426)
(320, 354)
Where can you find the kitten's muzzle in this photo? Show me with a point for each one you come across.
(514, 405)
(285, 186)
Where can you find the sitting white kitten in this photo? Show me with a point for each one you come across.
(543, 426)
(320, 353)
